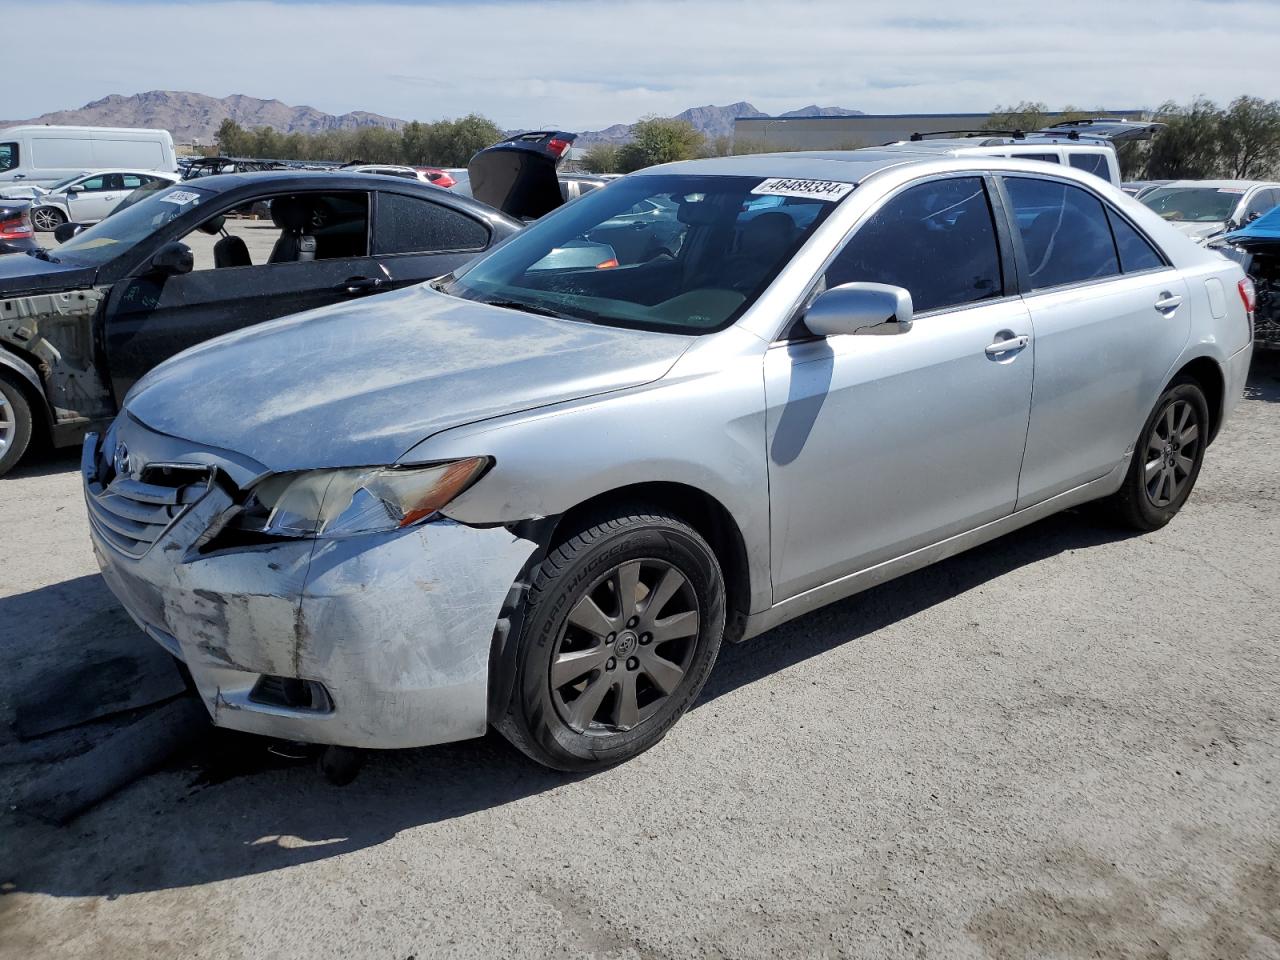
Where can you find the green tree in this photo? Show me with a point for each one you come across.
(1188, 147)
(660, 140)
(601, 158)
(231, 138)
(1249, 139)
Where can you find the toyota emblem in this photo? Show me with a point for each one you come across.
(121, 460)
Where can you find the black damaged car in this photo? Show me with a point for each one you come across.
(81, 323)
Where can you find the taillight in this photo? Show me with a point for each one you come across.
(557, 146)
(1248, 294)
(15, 228)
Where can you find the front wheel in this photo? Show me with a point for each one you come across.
(624, 622)
(45, 219)
(1166, 459)
(15, 424)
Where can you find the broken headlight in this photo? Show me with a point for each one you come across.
(339, 503)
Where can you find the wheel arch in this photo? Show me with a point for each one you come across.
(22, 373)
(1208, 373)
(700, 510)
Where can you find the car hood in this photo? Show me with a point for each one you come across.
(361, 383)
(21, 275)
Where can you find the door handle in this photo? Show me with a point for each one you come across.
(1168, 303)
(359, 285)
(1007, 346)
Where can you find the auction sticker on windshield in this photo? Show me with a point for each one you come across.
(807, 189)
(180, 197)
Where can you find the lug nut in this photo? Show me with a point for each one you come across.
(632, 663)
(645, 638)
(610, 663)
(610, 638)
(633, 621)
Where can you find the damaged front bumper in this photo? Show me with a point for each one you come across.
(376, 640)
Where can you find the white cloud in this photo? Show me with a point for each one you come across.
(581, 64)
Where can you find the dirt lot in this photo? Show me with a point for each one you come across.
(1063, 744)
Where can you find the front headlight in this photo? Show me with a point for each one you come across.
(338, 503)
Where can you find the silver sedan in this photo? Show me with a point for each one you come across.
(539, 493)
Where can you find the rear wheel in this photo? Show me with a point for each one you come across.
(624, 622)
(45, 219)
(15, 424)
(1166, 459)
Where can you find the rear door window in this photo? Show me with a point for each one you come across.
(1136, 252)
(411, 225)
(1095, 163)
(1065, 234)
(937, 240)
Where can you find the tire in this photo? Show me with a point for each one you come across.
(15, 424)
(47, 219)
(617, 688)
(1162, 474)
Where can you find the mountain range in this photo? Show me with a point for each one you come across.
(196, 116)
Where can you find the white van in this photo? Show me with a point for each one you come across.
(43, 155)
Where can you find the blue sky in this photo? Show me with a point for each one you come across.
(582, 64)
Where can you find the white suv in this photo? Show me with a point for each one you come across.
(1084, 144)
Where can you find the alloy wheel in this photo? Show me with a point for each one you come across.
(1172, 449)
(8, 424)
(45, 218)
(624, 647)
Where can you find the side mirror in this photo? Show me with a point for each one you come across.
(869, 308)
(173, 259)
(65, 231)
(76, 188)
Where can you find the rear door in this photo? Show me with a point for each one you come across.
(149, 318)
(416, 239)
(1110, 320)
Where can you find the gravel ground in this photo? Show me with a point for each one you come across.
(1062, 744)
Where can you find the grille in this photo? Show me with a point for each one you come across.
(132, 514)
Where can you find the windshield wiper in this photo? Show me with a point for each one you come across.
(526, 307)
(40, 253)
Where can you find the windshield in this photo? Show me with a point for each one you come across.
(106, 240)
(1194, 204)
(64, 183)
(680, 254)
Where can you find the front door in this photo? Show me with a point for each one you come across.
(879, 445)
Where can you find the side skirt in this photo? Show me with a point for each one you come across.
(862, 580)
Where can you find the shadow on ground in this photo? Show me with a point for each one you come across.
(284, 814)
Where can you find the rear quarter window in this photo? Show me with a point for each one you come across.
(1136, 252)
(412, 225)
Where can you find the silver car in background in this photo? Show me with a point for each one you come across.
(540, 497)
(1203, 209)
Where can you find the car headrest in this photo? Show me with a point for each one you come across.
(213, 227)
(290, 213)
(767, 233)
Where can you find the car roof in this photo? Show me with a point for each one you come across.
(846, 166)
(337, 180)
(1217, 184)
(947, 144)
(97, 172)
